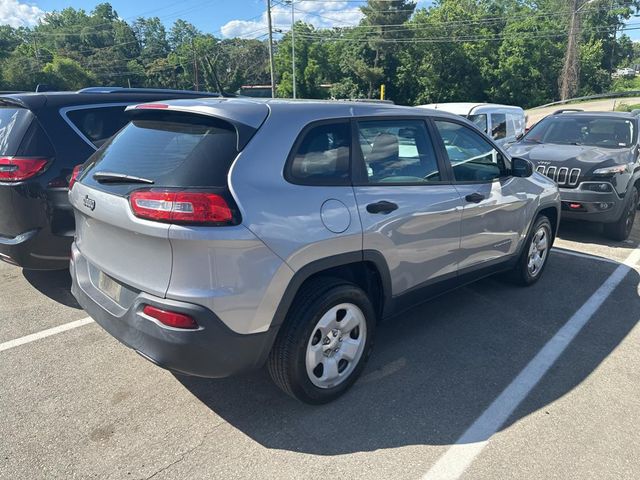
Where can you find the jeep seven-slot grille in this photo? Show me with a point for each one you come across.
(562, 176)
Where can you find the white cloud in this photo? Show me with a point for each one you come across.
(17, 14)
(319, 14)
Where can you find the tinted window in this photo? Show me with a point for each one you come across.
(472, 158)
(98, 124)
(584, 130)
(14, 122)
(479, 121)
(186, 152)
(498, 126)
(398, 151)
(322, 157)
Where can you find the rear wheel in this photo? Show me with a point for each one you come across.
(325, 341)
(621, 229)
(535, 253)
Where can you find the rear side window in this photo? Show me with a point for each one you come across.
(322, 156)
(98, 124)
(174, 151)
(14, 123)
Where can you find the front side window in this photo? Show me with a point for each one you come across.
(397, 151)
(472, 158)
(322, 157)
(498, 126)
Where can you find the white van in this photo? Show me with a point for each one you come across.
(504, 123)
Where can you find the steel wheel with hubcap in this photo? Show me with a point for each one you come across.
(538, 250)
(325, 341)
(535, 253)
(336, 345)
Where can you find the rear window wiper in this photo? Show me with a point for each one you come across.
(112, 177)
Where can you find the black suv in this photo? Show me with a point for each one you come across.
(593, 157)
(43, 136)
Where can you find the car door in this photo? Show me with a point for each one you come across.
(409, 210)
(494, 217)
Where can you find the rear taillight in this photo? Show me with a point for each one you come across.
(170, 319)
(77, 170)
(17, 169)
(181, 207)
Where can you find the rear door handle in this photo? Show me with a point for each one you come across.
(474, 197)
(382, 207)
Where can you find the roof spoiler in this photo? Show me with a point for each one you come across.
(566, 110)
(152, 90)
(244, 129)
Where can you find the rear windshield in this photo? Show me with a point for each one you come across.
(175, 151)
(584, 130)
(14, 122)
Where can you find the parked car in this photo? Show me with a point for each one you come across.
(504, 123)
(216, 235)
(593, 156)
(43, 136)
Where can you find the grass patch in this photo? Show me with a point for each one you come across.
(623, 107)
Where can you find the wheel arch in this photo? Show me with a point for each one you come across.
(366, 268)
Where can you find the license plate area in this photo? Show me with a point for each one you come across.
(109, 287)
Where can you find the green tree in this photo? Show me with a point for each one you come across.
(66, 74)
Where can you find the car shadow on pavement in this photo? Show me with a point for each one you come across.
(593, 233)
(436, 368)
(55, 284)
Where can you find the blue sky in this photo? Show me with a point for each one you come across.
(224, 18)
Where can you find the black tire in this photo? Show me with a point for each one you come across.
(521, 273)
(287, 360)
(621, 229)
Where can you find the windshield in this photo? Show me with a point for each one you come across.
(175, 151)
(584, 130)
(479, 120)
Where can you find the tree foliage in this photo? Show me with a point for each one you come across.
(508, 51)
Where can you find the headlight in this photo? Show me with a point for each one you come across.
(611, 170)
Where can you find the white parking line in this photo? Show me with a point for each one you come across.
(44, 334)
(459, 456)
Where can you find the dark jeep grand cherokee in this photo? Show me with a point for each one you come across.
(593, 157)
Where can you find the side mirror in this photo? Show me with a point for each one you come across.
(521, 167)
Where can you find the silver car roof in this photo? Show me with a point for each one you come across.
(253, 111)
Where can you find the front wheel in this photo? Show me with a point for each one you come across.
(621, 229)
(535, 253)
(325, 341)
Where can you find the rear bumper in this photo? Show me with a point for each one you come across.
(36, 226)
(213, 351)
(36, 250)
(592, 206)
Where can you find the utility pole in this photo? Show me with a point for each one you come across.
(293, 48)
(571, 68)
(271, 67)
(570, 79)
(196, 82)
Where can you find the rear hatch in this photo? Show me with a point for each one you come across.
(25, 153)
(163, 168)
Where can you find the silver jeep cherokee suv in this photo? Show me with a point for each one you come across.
(216, 235)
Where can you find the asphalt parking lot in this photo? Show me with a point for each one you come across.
(77, 404)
